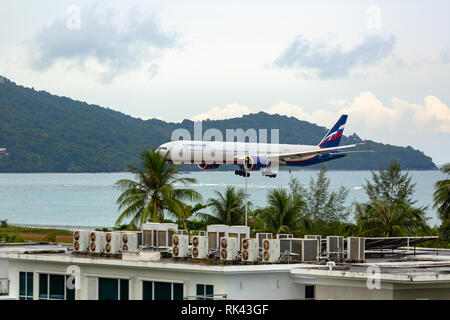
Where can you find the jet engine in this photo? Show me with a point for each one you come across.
(253, 163)
(208, 166)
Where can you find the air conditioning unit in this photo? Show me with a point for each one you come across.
(81, 241)
(335, 247)
(97, 241)
(271, 250)
(300, 249)
(249, 250)
(158, 235)
(239, 232)
(285, 236)
(148, 238)
(112, 242)
(310, 250)
(356, 248)
(215, 232)
(228, 248)
(261, 236)
(200, 247)
(180, 245)
(292, 246)
(129, 242)
(318, 237)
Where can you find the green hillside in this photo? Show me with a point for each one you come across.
(47, 133)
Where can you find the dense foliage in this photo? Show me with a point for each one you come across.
(153, 192)
(282, 215)
(318, 209)
(47, 133)
(391, 185)
(442, 196)
(227, 208)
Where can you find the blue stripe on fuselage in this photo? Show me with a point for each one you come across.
(316, 159)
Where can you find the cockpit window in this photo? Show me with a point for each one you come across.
(163, 148)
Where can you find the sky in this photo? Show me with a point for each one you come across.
(384, 63)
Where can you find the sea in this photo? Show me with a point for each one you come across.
(89, 199)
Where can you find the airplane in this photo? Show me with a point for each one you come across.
(264, 157)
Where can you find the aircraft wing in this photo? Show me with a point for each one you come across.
(283, 156)
(347, 152)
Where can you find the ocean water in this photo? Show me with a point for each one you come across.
(90, 198)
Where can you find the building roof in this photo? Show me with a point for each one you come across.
(397, 265)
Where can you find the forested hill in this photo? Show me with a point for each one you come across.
(47, 133)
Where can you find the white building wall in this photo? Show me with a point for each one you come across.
(257, 286)
(324, 292)
(134, 275)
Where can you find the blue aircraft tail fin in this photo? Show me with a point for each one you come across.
(333, 137)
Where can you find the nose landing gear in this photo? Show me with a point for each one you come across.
(268, 173)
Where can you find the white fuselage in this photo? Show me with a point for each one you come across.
(187, 151)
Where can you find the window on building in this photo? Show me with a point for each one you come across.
(26, 285)
(54, 287)
(113, 289)
(310, 292)
(205, 290)
(154, 290)
(124, 289)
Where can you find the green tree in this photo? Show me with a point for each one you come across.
(322, 204)
(441, 196)
(228, 208)
(444, 234)
(391, 185)
(383, 219)
(283, 215)
(153, 192)
(183, 212)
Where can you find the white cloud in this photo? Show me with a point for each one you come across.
(318, 116)
(426, 126)
(369, 115)
(332, 62)
(217, 113)
(102, 41)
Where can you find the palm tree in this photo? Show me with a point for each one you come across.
(228, 208)
(153, 191)
(283, 215)
(183, 212)
(381, 218)
(441, 195)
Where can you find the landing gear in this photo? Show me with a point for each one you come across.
(268, 173)
(241, 173)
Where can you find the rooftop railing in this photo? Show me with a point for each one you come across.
(58, 227)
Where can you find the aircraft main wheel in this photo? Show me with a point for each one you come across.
(236, 172)
(248, 174)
